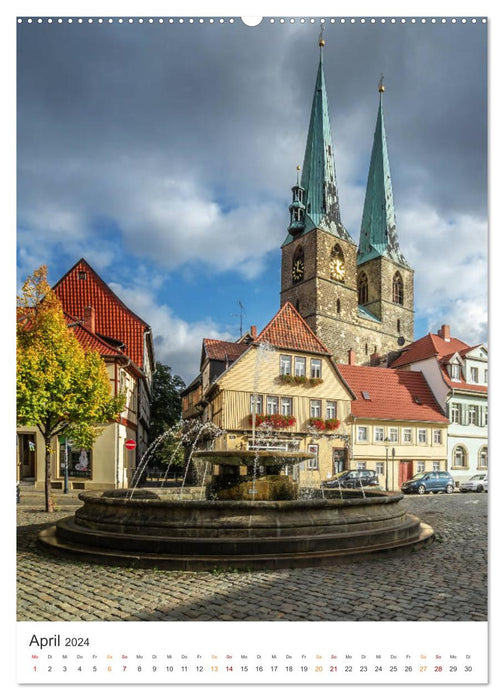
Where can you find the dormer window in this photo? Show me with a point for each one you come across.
(455, 372)
(474, 375)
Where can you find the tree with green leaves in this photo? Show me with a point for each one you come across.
(62, 389)
(166, 411)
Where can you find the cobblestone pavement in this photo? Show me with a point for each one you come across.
(446, 581)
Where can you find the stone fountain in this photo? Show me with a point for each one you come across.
(251, 518)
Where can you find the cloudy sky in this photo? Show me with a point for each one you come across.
(164, 153)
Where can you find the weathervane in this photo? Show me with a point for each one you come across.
(381, 86)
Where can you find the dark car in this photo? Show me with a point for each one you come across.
(424, 482)
(353, 479)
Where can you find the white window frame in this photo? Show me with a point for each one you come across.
(312, 463)
(360, 466)
(272, 401)
(436, 465)
(437, 437)
(393, 435)
(315, 408)
(258, 401)
(472, 414)
(300, 366)
(420, 465)
(379, 431)
(380, 468)
(331, 409)
(474, 375)
(409, 432)
(286, 406)
(364, 430)
(455, 372)
(316, 368)
(285, 364)
(422, 436)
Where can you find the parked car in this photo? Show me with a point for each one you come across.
(353, 479)
(424, 482)
(477, 482)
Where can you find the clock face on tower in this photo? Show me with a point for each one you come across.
(337, 268)
(298, 270)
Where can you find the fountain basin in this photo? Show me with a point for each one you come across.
(204, 535)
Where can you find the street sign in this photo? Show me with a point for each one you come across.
(130, 444)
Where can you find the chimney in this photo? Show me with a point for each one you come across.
(253, 332)
(444, 332)
(351, 357)
(374, 360)
(90, 318)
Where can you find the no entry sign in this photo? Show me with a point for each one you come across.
(130, 444)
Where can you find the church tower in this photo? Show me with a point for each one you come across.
(384, 278)
(319, 258)
(353, 299)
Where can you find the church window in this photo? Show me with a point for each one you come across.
(398, 325)
(397, 289)
(366, 349)
(338, 306)
(362, 287)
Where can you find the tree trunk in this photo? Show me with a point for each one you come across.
(49, 505)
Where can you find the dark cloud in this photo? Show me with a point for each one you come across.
(185, 138)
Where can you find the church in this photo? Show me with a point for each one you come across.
(354, 297)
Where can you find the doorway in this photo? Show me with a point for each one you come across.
(27, 456)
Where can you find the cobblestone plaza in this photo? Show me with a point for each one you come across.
(446, 581)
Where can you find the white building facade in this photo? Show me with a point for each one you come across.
(458, 377)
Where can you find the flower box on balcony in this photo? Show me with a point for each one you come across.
(274, 420)
(317, 423)
(300, 379)
(332, 424)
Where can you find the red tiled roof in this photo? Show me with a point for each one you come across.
(223, 350)
(82, 287)
(289, 331)
(431, 345)
(394, 394)
(89, 340)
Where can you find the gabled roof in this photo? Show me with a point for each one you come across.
(82, 287)
(393, 394)
(431, 345)
(223, 350)
(287, 330)
(90, 341)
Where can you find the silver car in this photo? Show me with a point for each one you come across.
(478, 482)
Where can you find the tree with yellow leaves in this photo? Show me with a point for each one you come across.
(61, 388)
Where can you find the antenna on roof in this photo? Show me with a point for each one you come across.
(241, 315)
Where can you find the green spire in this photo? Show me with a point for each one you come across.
(378, 235)
(318, 180)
